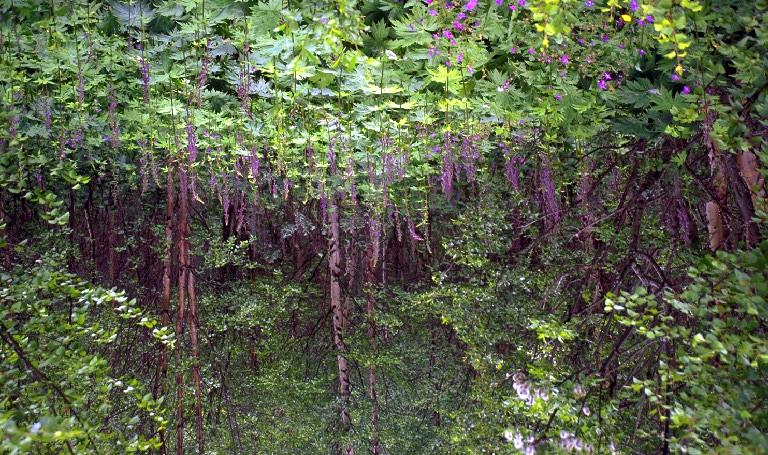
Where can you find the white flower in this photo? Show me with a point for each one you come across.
(586, 411)
(579, 391)
(518, 442)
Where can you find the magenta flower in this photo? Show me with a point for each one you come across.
(565, 59)
(558, 96)
(607, 76)
(686, 90)
(458, 26)
(675, 77)
(459, 58)
(602, 84)
(531, 51)
(432, 12)
(589, 3)
(471, 4)
(521, 3)
(499, 2)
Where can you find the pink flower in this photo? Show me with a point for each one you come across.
(686, 90)
(565, 59)
(471, 4)
(602, 85)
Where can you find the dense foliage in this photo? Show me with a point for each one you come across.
(500, 226)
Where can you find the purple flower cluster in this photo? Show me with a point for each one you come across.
(602, 81)
(550, 203)
(75, 139)
(331, 154)
(447, 168)
(570, 443)
(43, 109)
(470, 155)
(512, 170)
(80, 87)
(144, 70)
(642, 21)
(191, 142)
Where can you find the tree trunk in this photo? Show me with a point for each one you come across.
(180, 318)
(334, 265)
(187, 283)
(370, 273)
(165, 317)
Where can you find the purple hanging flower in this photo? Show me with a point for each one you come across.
(43, 108)
(80, 87)
(75, 139)
(470, 155)
(446, 171)
(144, 70)
(512, 170)
(551, 206)
(191, 142)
